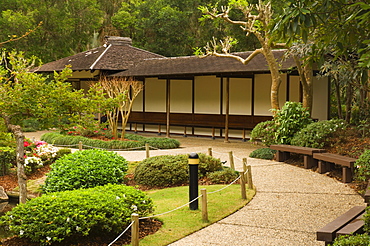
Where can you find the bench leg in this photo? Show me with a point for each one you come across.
(323, 166)
(346, 175)
(282, 156)
(309, 162)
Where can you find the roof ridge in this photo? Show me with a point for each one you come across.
(101, 55)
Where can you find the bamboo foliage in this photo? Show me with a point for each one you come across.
(121, 92)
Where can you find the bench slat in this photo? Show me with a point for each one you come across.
(296, 149)
(328, 232)
(355, 226)
(334, 158)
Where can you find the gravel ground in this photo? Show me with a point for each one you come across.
(290, 205)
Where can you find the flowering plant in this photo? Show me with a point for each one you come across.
(32, 163)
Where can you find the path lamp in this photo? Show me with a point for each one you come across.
(193, 180)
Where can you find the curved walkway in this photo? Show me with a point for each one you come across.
(291, 203)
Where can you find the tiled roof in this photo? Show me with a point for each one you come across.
(192, 65)
(115, 56)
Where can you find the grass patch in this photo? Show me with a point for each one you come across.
(184, 221)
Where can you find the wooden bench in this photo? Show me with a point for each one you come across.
(325, 160)
(283, 153)
(348, 223)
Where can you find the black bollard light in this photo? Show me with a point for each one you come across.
(193, 180)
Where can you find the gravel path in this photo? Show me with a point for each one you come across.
(290, 205)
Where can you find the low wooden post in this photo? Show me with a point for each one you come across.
(159, 130)
(135, 230)
(80, 145)
(231, 157)
(147, 150)
(204, 205)
(249, 177)
(244, 178)
(213, 133)
(210, 151)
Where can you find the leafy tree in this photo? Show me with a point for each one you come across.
(256, 20)
(337, 33)
(25, 94)
(121, 93)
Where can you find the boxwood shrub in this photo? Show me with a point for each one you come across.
(85, 169)
(263, 153)
(137, 142)
(7, 159)
(56, 216)
(168, 170)
(224, 176)
(316, 134)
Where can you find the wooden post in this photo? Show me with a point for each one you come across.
(135, 130)
(242, 186)
(135, 230)
(231, 157)
(168, 106)
(210, 151)
(159, 130)
(147, 150)
(213, 133)
(80, 145)
(249, 177)
(185, 135)
(204, 205)
(227, 109)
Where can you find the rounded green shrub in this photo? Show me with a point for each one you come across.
(362, 166)
(7, 159)
(85, 169)
(168, 170)
(290, 119)
(265, 132)
(263, 153)
(316, 134)
(56, 216)
(224, 176)
(352, 240)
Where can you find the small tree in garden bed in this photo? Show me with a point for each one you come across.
(52, 102)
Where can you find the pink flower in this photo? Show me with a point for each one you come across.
(26, 144)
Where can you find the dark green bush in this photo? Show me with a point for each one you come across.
(289, 120)
(362, 166)
(137, 141)
(85, 169)
(316, 134)
(7, 159)
(168, 170)
(263, 153)
(265, 132)
(224, 176)
(353, 240)
(54, 217)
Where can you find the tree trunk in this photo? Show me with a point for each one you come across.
(22, 178)
(306, 76)
(275, 76)
(349, 96)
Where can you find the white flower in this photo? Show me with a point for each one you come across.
(21, 232)
(134, 207)
(144, 201)
(77, 228)
(117, 197)
(68, 219)
(48, 238)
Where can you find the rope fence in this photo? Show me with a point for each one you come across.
(245, 177)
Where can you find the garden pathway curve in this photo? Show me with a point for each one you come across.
(291, 203)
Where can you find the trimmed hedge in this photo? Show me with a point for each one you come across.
(169, 170)
(136, 141)
(263, 153)
(54, 217)
(85, 169)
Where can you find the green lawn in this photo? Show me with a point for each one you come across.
(184, 221)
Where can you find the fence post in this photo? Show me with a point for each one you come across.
(242, 180)
(249, 177)
(147, 150)
(135, 230)
(231, 157)
(210, 151)
(204, 205)
(80, 145)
